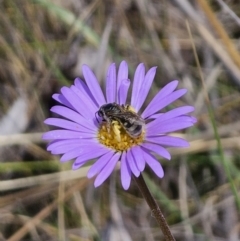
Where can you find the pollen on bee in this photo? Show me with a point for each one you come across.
(130, 108)
(115, 136)
(116, 129)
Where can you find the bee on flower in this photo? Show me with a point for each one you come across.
(108, 129)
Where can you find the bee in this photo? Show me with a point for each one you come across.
(130, 121)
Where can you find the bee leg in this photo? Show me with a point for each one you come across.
(116, 129)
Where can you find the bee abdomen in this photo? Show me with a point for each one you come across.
(135, 130)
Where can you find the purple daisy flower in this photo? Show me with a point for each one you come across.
(90, 129)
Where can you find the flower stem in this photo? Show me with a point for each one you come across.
(156, 211)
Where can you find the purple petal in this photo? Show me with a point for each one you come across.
(155, 116)
(122, 75)
(132, 164)
(62, 100)
(157, 149)
(76, 102)
(194, 120)
(138, 157)
(168, 89)
(111, 84)
(123, 91)
(68, 125)
(83, 149)
(57, 143)
(83, 88)
(168, 141)
(137, 83)
(179, 111)
(93, 85)
(164, 92)
(100, 164)
(65, 149)
(76, 166)
(65, 134)
(85, 99)
(156, 106)
(125, 172)
(171, 114)
(175, 124)
(145, 88)
(107, 170)
(64, 146)
(74, 116)
(153, 164)
(88, 156)
(52, 144)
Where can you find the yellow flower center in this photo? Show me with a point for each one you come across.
(116, 137)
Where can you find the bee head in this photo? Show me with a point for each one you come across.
(104, 110)
(108, 109)
(100, 112)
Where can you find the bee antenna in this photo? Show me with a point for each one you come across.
(96, 116)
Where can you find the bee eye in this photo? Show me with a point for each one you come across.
(100, 113)
(108, 107)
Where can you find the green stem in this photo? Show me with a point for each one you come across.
(156, 211)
